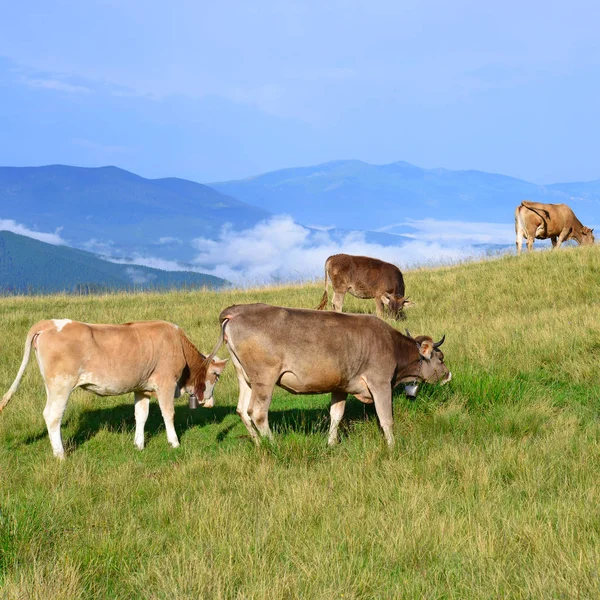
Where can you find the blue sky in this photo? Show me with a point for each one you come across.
(213, 91)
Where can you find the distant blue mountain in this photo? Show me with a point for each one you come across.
(115, 213)
(28, 266)
(351, 194)
(114, 210)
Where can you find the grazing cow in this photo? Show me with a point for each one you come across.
(555, 221)
(310, 352)
(149, 358)
(365, 277)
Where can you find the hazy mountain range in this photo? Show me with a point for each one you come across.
(115, 212)
(352, 194)
(399, 212)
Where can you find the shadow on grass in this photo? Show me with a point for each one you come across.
(310, 421)
(302, 420)
(121, 418)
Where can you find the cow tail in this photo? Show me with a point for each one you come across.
(201, 371)
(537, 209)
(13, 388)
(542, 213)
(219, 343)
(323, 303)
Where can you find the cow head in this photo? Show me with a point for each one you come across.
(396, 305)
(587, 236)
(201, 388)
(432, 368)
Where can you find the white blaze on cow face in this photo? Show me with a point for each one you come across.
(60, 323)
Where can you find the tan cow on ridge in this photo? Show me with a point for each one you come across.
(148, 358)
(365, 277)
(555, 221)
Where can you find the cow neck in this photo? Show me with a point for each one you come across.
(418, 375)
(193, 357)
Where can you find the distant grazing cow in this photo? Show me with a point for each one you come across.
(555, 221)
(365, 277)
(149, 358)
(310, 352)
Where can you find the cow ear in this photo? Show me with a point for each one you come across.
(385, 299)
(425, 348)
(408, 303)
(217, 365)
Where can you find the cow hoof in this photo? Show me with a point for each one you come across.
(174, 444)
(60, 455)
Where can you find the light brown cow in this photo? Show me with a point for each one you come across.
(311, 352)
(149, 358)
(558, 222)
(365, 277)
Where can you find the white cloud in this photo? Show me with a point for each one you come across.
(56, 85)
(99, 247)
(151, 261)
(105, 148)
(169, 240)
(138, 276)
(281, 250)
(49, 238)
(321, 227)
(456, 231)
(269, 97)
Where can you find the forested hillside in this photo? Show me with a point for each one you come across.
(28, 266)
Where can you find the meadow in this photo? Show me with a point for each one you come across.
(492, 489)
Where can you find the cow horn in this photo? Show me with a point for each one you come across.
(408, 334)
(438, 344)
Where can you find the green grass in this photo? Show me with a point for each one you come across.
(491, 491)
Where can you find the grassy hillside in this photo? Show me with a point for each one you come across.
(28, 266)
(491, 491)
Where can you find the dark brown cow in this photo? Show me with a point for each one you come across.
(555, 221)
(365, 277)
(149, 358)
(310, 352)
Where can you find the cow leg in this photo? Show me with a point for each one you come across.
(519, 230)
(260, 400)
(242, 408)
(382, 396)
(519, 242)
(166, 402)
(142, 407)
(553, 239)
(57, 394)
(338, 301)
(336, 412)
(530, 239)
(564, 234)
(379, 307)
